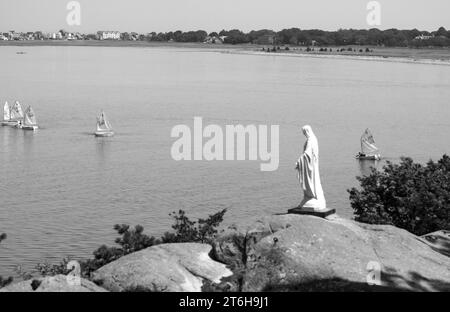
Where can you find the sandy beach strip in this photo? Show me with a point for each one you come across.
(434, 55)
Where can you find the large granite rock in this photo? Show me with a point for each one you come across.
(57, 283)
(306, 253)
(439, 241)
(167, 267)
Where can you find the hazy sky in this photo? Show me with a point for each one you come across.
(214, 15)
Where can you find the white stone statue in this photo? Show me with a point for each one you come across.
(308, 174)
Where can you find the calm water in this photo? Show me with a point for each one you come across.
(62, 190)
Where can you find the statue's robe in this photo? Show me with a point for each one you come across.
(308, 174)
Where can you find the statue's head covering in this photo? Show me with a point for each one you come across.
(311, 142)
(307, 131)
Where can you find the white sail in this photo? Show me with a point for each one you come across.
(6, 112)
(368, 146)
(29, 119)
(19, 108)
(16, 111)
(103, 123)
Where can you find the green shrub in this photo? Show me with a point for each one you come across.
(47, 269)
(203, 231)
(131, 240)
(5, 281)
(408, 195)
(134, 239)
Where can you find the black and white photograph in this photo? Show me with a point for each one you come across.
(224, 152)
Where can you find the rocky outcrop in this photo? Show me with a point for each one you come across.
(439, 241)
(167, 267)
(277, 253)
(305, 253)
(57, 283)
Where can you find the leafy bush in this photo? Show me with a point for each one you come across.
(134, 239)
(408, 195)
(4, 281)
(45, 269)
(131, 240)
(203, 231)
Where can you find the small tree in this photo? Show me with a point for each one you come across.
(131, 240)
(134, 239)
(203, 231)
(408, 195)
(48, 269)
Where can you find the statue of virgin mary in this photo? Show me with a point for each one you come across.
(308, 173)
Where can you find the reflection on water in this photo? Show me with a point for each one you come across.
(28, 142)
(103, 146)
(10, 140)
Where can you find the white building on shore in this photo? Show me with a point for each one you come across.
(108, 35)
(423, 37)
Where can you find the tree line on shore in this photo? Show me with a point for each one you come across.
(292, 36)
(296, 36)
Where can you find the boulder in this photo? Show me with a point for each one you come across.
(166, 267)
(23, 286)
(306, 253)
(57, 283)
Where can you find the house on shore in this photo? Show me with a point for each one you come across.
(423, 37)
(213, 39)
(56, 36)
(108, 35)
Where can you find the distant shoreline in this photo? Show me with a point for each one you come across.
(415, 55)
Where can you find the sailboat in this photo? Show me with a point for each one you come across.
(6, 114)
(104, 128)
(29, 120)
(369, 151)
(16, 111)
(12, 115)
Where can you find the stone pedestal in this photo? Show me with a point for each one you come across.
(310, 211)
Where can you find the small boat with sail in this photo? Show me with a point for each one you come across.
(369, 151)
(104, 128)
(29, 120)
(6, 114)
(12, 115)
